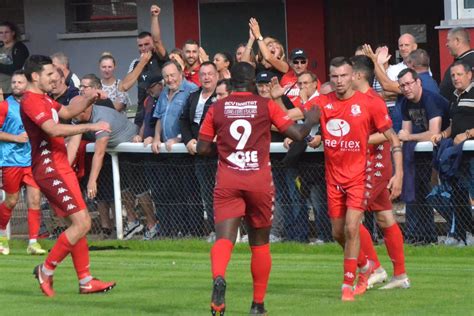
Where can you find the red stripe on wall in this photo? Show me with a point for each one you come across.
(186, 21)
(305, 29)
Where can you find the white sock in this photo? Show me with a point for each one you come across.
(32, 241)
(3, 233)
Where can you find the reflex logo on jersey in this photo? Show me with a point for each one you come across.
(338, 127)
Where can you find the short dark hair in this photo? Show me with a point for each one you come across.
(340, 61)
(365, 65)
(18, 72)
(143, 34)
(35, 63)
(243, 76)
(13, 27)
(420, 58)
(414, 74)
(227, 83)
(190, 41)
(95, 81)
(466, 66)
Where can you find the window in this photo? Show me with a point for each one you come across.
(12, 11)
(84, 16)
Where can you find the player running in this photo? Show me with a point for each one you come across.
(15, 161)
(54, 176)
(244, 185)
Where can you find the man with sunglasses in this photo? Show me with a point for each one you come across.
(299, 63)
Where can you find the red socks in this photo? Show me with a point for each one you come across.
(350, 268)
(220, 257)
(57, 254)
(367, 246)
(394, 242)
(5, 215)
(34, 222)
(261, 264)
(80, 258)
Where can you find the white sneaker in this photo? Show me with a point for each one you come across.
(4, 248)
(378, 276)
(152, 232)
(274, 238)
(469, 239)
(211, 238)
(131, 229)
(397, 284)
(451, 241)
(244, 238)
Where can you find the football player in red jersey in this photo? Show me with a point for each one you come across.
(244, 185)
(51, 171)
(347, 121)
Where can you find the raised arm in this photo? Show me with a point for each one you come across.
(134, 73)
(78, 104)
(156, 31)
(279, 64)
(379, 59)
(246, 56)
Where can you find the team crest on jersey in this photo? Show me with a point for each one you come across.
(355, 110)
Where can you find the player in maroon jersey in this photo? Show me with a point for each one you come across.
(51, 171)
(244, 185)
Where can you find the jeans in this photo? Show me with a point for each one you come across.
(395, 113)
(321, 216)
(293, 211)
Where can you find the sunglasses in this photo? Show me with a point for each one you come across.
(299, 61)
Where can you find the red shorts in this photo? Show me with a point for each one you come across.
(257, 207)
(379, 198)
(14, 177)
(63, 193)
(341, 198)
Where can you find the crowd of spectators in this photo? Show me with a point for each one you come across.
(176, 87)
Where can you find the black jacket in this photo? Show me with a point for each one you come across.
(190, 129)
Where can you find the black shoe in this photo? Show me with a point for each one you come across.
(218, 297)
(258, 309)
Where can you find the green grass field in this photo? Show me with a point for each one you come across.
(173, 278)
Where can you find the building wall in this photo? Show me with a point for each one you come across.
(45, 19)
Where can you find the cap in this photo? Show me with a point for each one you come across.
(264, 77)
(242, 72)
(150, 80)
(298, 53)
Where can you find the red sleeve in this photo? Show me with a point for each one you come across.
(278, 117)
(207, 132)
(3, 112)
(39, 110)
(379, 113)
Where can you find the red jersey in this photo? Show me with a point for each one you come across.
(345, 128)
(380, 163)
(48, 154)
(242, 124)
(192, 75)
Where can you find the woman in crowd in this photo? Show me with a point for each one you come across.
(13, 54)
(110, 84)
(223, 62)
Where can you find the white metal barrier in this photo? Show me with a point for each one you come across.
(181, 148)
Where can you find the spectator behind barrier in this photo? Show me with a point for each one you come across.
(61, 61)
(110, 84)
(152, 58)
(61, 92)
(13, 54)
(223, 62)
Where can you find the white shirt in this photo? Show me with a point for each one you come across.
(200, 108)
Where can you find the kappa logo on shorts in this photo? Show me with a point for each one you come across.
(378, 174)
(66, 198)
(71, 207)
(378, 165)
(61, 190)
(380, 147)
(379, 156)
(57, 182)
(47, 161)
(43, 143)
(45, 152)
(49, 170)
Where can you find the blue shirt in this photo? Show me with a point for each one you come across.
(169, 111)
(430, 106)
(428, 82)
(14, 154)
